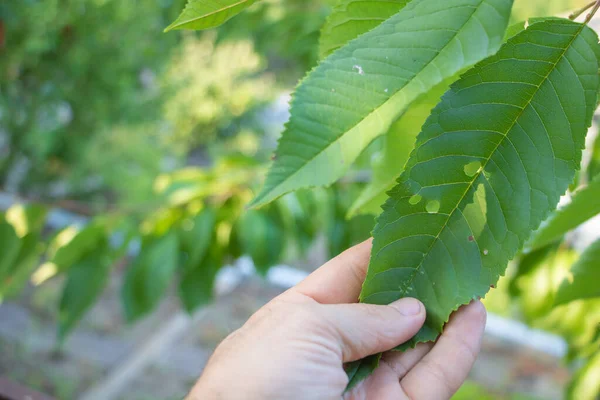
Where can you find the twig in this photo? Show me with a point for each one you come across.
(575, 14)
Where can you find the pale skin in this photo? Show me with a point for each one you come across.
(295, 346)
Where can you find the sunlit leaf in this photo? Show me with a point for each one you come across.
(205, 14)
(71, 244)
(584, 205)
(355, 94)
(586, 382)
(26, 218)
(399, 142)
(584, 280)
(491, 163)
(148, 278)
(23, 265)
(85, 281)
(351, 18)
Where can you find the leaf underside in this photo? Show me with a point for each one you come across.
(355, 94)
(351, 18)
(583, 283)
(584, 205)
(206, 14)
(490, 165)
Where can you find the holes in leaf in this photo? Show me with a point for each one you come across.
(416, 199)
(472, 168)
(433, 206)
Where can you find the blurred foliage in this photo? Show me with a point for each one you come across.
(159, 139)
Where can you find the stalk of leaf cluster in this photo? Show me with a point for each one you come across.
(594, 5)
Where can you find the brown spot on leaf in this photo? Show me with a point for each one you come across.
(471, 238)
(493, 286)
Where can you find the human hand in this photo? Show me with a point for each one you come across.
(295, 346)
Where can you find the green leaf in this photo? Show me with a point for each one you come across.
(399, 142)
(261, 236)
(357, 371)
(196, 236)
(10, 245)
(26, 261)
(148, 278)
(490, 165)
(196, 284)
(71, 244)
(584, 279)
(29, 218)
(85, 281)
(593, 169)
(206, 14)
(355, 94)
(583, 206)
(586, 382)
(351, 18)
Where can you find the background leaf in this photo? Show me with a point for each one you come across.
(585, 204)
(399, 142)
(196, 236)
(261, 237)
(586, 383)
(71, 245)
(85, 281)
(351, 18)
(148, 278)
(196, 284)
(205, 14)
(583, 282)
(355, 95)
(510, 132)
(11, 244)
(594, 166)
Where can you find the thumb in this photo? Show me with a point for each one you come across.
(366, 329)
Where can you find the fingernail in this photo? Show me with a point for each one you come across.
(408, 306)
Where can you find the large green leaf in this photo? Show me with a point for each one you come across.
(351, 18)
(206, 14)
(399, 142)
(490, 165)
(355, 94)
(586, 382)
(148, 278)
(584, 278)
(85, 281)
(584, 205)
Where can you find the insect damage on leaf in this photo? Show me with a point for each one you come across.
(497, 153)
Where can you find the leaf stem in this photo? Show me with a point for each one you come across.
(593, 12)
(594, 5)
(575, 14)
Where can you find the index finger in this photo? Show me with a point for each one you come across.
(340, 280)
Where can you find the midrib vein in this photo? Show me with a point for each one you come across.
(376, 110)
(477, 175)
